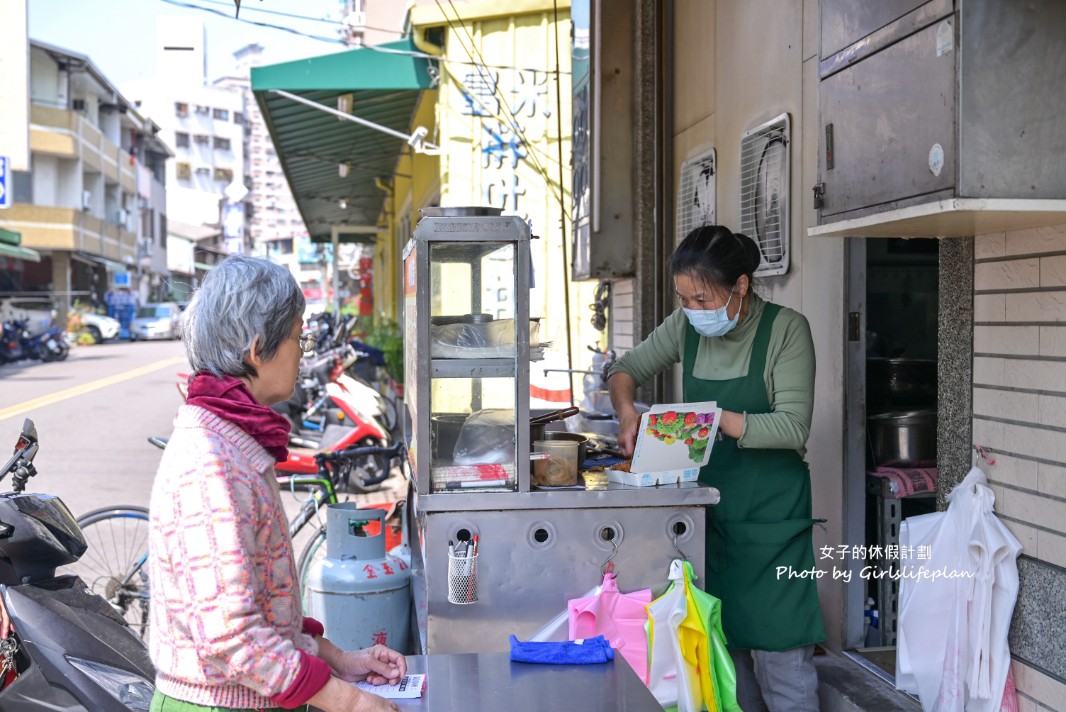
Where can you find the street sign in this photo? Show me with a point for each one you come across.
(5, 182)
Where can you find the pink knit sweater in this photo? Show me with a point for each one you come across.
(226, 617)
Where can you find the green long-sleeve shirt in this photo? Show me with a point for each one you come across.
(789, 373)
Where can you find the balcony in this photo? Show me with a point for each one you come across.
(58, 132)
(45, 227)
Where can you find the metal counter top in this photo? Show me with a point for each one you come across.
(490, 682)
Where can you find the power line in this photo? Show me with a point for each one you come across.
(308, 18)
(179, 3)
(510, 119)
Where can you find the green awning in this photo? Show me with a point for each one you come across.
(385, 84)
(10, 246)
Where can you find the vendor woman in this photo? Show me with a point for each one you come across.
(756, 360)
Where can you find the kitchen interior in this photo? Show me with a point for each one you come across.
(901, 420)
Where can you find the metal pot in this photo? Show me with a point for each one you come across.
(900, 383)
(903, 439)
(581, 440)
(537, 422)
(444, 432)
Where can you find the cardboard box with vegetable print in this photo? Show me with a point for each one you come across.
(674, 441)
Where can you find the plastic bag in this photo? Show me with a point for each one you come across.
(491, 339)
(690, 666)
(619, 617)
(486, 438)
(670, 679)
(955, 605)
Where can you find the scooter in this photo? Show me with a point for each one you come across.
(48, 345)
(11, 343)
(69, 649)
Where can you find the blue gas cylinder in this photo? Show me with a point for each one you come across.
(360, 593)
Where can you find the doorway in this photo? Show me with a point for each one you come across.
(892, 464)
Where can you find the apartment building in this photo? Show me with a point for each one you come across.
(92, 202)
(205, 126)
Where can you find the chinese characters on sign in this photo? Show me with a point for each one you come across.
(503, 141)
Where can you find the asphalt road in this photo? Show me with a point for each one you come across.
(94, 413)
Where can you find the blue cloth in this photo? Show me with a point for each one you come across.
(592, 650)
(600, 461)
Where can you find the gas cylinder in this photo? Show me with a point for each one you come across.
(361, 594)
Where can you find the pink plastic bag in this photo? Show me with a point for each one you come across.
(1010, 695)
(617, 616)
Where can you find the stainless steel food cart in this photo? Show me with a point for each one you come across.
(468, 330)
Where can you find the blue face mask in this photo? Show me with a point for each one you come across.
(713, 322)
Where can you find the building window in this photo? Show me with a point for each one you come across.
(203, 110)
(238, 117)
(203, 170)
(181, 108)
(184, 170)
(181, 140)
(162, 230)
(221, 144)
(221, 114)
(224, 174)
(202, 139)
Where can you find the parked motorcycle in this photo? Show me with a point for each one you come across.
(69, 649)
(11, 347)
(48, 345)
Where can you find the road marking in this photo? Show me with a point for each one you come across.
(96, 385)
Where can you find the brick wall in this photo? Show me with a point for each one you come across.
(1019, 415)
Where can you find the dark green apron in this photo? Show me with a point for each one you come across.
(763, 521)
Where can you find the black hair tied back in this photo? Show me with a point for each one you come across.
(716, 256)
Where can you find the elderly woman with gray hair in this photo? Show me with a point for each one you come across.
(229, 631)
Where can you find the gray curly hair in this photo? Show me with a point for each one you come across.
(240, 299)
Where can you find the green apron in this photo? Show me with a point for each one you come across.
(763, 521)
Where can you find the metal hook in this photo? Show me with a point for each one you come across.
(608, 566)
(983, 454)
(678, 549)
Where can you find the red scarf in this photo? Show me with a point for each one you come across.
(230, 399)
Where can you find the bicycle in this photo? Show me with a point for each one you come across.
(114, 565)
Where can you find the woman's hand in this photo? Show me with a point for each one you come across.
(628, 423)
(338, 696)
(377, 665)
(623, 389)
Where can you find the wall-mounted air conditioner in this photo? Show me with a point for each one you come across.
(764, 192)
(122, 217)
(696, 194)
(86, 200)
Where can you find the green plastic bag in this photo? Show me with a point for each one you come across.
(691, 668)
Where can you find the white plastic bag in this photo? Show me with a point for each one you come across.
(955, 606)
(671, 680)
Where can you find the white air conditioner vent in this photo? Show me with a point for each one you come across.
(86, 200)
(696, 194)
(765, 191)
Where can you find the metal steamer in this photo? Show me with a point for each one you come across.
(491, 553)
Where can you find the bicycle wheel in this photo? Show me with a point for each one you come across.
(313, 551)
(115, 564)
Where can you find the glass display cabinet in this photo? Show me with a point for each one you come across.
(492, 553)
(466, 313)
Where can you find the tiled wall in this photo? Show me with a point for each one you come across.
(1019, 414)
(621, 316)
